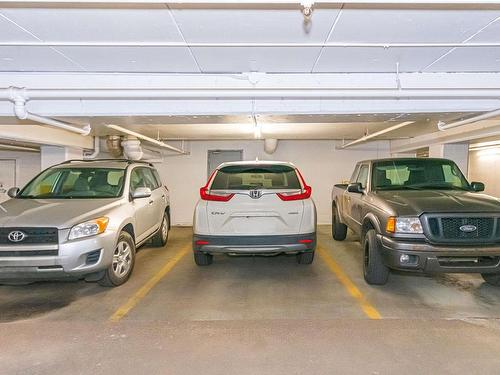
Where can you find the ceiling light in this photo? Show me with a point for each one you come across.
(483, 145)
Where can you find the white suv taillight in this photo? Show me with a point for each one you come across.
(305, 193)
(207, 196)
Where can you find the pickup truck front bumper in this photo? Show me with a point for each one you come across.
(421, 256)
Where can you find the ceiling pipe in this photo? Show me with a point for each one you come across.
(230, 3)
(146, 138)
(244, 93)
(443, 126)
(270, 145)
(376, 134)
(97, 149)
(248, 44)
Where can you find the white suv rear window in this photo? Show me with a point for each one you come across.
(249, 177)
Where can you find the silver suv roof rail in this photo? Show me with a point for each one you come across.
(128, 161)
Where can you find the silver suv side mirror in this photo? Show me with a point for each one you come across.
(141, 192)
(13, 192)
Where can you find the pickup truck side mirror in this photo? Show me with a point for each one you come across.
(141, 192)
(477, 186)
(13, 192)
(355, 187)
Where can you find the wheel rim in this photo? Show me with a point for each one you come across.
(122, 259)
(164, 230)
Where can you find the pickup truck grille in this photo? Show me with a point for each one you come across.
(462, 229)
(32, 236)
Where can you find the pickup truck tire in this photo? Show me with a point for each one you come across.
(339, 230)
(305, 258)
(374, 269)
(491, 278)
(202, 259)
(160, 239)
(122, 264)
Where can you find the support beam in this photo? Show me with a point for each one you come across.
(45, 136)
(458, 152)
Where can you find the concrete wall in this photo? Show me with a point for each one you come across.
(27, 165)
(483, 167)
(320, 163)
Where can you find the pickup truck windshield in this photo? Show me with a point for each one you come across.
(418, 174)
(77, 183)
(249, 177)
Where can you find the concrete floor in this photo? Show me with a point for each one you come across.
(252, 316)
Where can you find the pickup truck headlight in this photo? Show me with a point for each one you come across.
(404, 225)
(89, 228)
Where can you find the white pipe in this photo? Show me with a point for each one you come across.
(270, 145)
(443, 126)
(145, 138)
(97, 149)
(248, 44)
(23, 114)
(262, 2)
(244, 93)
(376, 134)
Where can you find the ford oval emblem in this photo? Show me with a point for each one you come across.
(468, 228)
(16, 236)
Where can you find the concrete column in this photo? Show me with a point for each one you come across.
(458, 152)
(51, 155)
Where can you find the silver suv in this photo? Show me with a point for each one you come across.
(83, 219)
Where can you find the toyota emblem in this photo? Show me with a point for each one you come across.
(16, 236)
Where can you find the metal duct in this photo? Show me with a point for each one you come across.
(113, 144)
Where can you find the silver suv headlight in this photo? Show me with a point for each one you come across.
(409, 225)
(89, 228)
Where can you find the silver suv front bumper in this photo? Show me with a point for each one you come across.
(68, 259)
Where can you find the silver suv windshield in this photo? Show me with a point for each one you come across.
(75, 183)
(418, 174)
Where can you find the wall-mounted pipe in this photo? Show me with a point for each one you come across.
(240, 93)
(376, 134)
(270, 145)
(485, 116)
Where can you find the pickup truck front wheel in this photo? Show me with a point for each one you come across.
(374, 269)
(339, 230)
(491, 278)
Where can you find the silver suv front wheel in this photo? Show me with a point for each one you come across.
(123, 262)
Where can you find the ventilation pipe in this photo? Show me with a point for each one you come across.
(132, 149)
(114, 145)
(23, 114)
(97, 149)
(270, 145)
(444, 126)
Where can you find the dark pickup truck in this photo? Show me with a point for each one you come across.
(421, 215)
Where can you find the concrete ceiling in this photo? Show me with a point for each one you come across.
(204, 24)
(99, 46)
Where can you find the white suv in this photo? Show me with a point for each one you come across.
(257, 207)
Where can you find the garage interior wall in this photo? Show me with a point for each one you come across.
(483, 167)
(27, 165)
(319, 161)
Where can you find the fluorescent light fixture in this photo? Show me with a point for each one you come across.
(376, 134)
(145, 138)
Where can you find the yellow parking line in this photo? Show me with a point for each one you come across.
(353, 290)
(146, 288)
